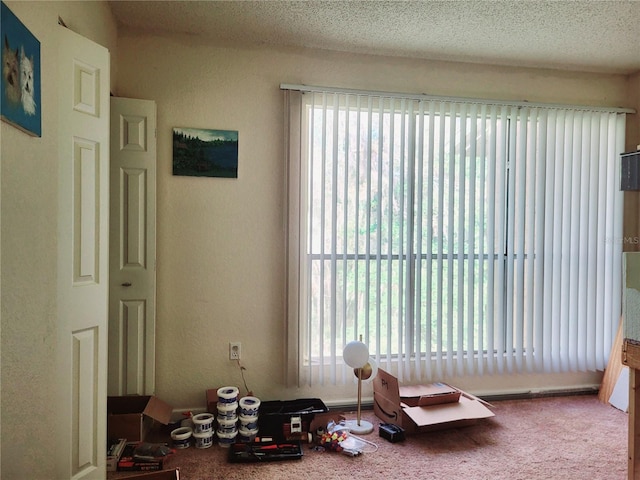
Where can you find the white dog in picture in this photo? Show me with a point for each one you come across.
(26, 82)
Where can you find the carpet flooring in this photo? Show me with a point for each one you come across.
(574, 437)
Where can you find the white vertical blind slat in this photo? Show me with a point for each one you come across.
(460, 212)
(429, 311)
(583, 243)
(390, 217)
(472, 278)
(521, 164)
(592, 236)
(492, 254)
(409, 317)
(482, 264)
(531, 233)
(379, 233)
(501, 320)
(539, 292)
(439, 220)
(421, 357)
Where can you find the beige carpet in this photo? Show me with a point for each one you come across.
(565, 438)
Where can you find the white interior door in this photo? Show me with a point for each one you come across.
(133, 247)
(83, 276)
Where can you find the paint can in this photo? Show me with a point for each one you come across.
(228, 394)
(202, 423)
(249, 406)
(247, 435)
(204, 439)
(249, 422)
(228, 411)
(181, 437)
(227, 425)
(226, 439)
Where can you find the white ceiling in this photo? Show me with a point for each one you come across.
(586, 35)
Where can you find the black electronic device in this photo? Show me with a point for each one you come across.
(391, 432)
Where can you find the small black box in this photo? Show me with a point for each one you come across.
(391, 432)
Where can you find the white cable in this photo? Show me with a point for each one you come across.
(366, 441)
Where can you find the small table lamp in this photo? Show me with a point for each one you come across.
(356, 355)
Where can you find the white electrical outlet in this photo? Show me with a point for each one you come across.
(234, 350)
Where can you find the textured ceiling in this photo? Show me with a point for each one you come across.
(587, 35)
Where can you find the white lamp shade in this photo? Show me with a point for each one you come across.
(355, 354)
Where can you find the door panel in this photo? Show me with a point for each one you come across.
(132, 255)
(83, 221)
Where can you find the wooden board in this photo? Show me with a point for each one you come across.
(614, 367)
(631, 353)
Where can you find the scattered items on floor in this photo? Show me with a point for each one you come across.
(144, 456)
(114, 452)
(338, 438)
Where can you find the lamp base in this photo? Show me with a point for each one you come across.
(362, 429)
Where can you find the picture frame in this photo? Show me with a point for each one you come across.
(20, 84)
(201, 152)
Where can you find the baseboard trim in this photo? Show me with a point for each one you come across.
(367, 404)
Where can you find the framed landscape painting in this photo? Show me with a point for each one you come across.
(205, 153)
(20, 84)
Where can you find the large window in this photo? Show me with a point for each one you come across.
(455, 237)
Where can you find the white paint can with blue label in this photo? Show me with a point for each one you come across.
(249, 406)
(202, 423)
(181, 437)
(203, 439)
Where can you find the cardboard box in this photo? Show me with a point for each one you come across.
(424, 415)
(132, 417)
(212, 401)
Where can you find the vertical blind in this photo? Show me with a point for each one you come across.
(455, 237)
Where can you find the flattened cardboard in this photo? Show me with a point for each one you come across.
(465, 409)
(388, 407)
(132, 417)
(432, 394)
(212, 400)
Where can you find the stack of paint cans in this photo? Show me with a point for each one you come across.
(227, 416)
(203, 430)
(248, 429)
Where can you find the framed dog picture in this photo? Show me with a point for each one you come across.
(20, 84)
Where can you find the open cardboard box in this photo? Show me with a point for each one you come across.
(422, 408)
(133, 416)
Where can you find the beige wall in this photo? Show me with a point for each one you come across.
(221, 242)
(28, 249)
